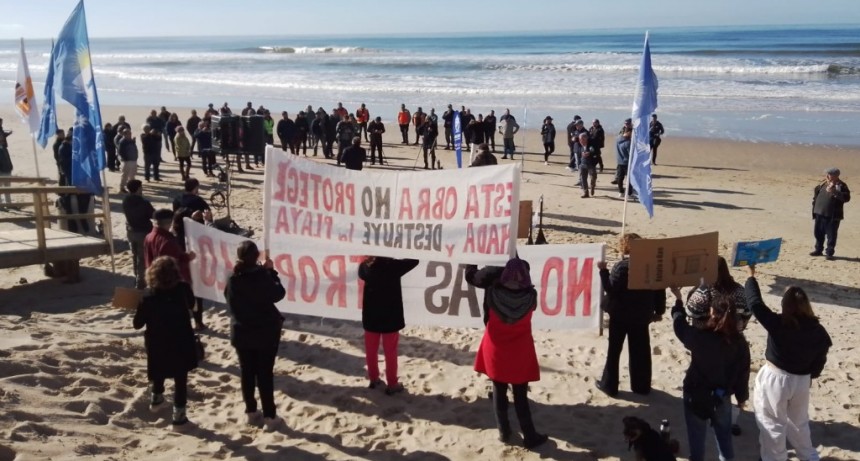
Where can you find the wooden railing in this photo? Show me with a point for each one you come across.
(42, 216)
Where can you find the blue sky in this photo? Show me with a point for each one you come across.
(118, 18)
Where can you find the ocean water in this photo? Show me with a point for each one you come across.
(798, 84)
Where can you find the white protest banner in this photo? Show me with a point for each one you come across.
(322, 280)
(466, 215)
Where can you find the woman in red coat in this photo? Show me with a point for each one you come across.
(507, 352)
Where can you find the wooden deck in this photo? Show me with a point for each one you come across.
(21, 247)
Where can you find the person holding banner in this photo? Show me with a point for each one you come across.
(797, 346)
(255, 329)
(630, 314)
(171, 351)
(719, 368)
(382, 316)
(507, 352)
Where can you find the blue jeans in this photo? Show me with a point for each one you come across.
(826, 227)
(697, 429)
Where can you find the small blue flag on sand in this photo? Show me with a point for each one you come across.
(74, 69)
(458, 139)
(48, 123)
(644, 104)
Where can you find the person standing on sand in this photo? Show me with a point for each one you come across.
(203, 139)
(448, 125)
(719, 368)
(630, 314)
(797, 346)
(430, 131)
(828, 201)
(576, 149)
(655, 132)
(110, 147)
(588, 165)
(382, 316)
(248, 109)
(376, 128)
(598, 139)
(345, 132)
(507, 352)
(182, 148)
(362, 117)
(547, 135)
(571, 142)
(302, 129)
(508, 129)
(127, 153)
(150, 140)
(490, 130)
(170, 134)
(138, 213)
(286, 131)
(622, 157)
(170, 346)
(192, 123)
(6, 166)
(255, 329)
(418, 119)
(403, 119)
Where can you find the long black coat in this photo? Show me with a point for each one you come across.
(169, 339)
(383, 298)
(251, 296)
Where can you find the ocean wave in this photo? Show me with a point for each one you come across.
(312, 49)
(832, 69)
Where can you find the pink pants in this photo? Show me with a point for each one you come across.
(371, 353)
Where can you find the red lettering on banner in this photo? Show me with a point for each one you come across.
(310, 285)
(228, 263)
(281, 225)
(570, 286)
(450, 207)
(487, 238)
(405, 205)
(337, 279)
(280, 181)
(357, 260)
(505, 192)
(284, 266)
(471, 203)
(556, 265)
(424, 203)
(579, 283)
(208, 261)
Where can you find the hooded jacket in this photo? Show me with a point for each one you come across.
(251, 296)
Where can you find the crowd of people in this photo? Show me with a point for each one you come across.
(709, 322)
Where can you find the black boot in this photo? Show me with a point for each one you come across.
(531, 437)
(500, 408)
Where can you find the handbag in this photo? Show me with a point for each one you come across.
(703, 402)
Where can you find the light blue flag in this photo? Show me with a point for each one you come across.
(644, 104)
(458, 138)
(78, 87)
(48, 123)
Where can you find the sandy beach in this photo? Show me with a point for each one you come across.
(73, 371)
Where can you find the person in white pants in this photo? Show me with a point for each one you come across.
(797, 346)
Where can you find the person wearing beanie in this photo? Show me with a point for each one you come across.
(161, 242)
(828, 200)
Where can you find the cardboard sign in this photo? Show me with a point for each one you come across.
(321, 280)
(126, 298)
(751, 253)
(464, 216)
(683, 261)
(524, 219)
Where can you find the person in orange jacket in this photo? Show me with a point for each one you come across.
(403, 118)
(362, 116)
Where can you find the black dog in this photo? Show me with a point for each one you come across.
(648, 443)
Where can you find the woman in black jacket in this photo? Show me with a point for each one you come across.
(630, 313)
(169, 339)
(255, 330)
(797, 346)
(719, 368)
(382, 315)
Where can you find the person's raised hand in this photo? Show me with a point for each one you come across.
(191, 255)
(676, 291)
(751, 270)
(601, 265)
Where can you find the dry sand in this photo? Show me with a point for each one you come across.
(72, 370)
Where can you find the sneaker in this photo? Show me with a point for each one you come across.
(816, 253)
(270, 424)
(179, 417)
(254, 418)
(585, 195)
(376, 383)
(546, 163)
(614, 181)
(567, 168)
(592, 191)
(621, 195)
(396, 389)
(829, 258)
(156, 400)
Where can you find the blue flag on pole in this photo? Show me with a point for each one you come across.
(458, 139)
(77, 86)
(48, 123)
(644, 104)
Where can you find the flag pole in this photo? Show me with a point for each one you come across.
(627, 184)
(35, 157)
